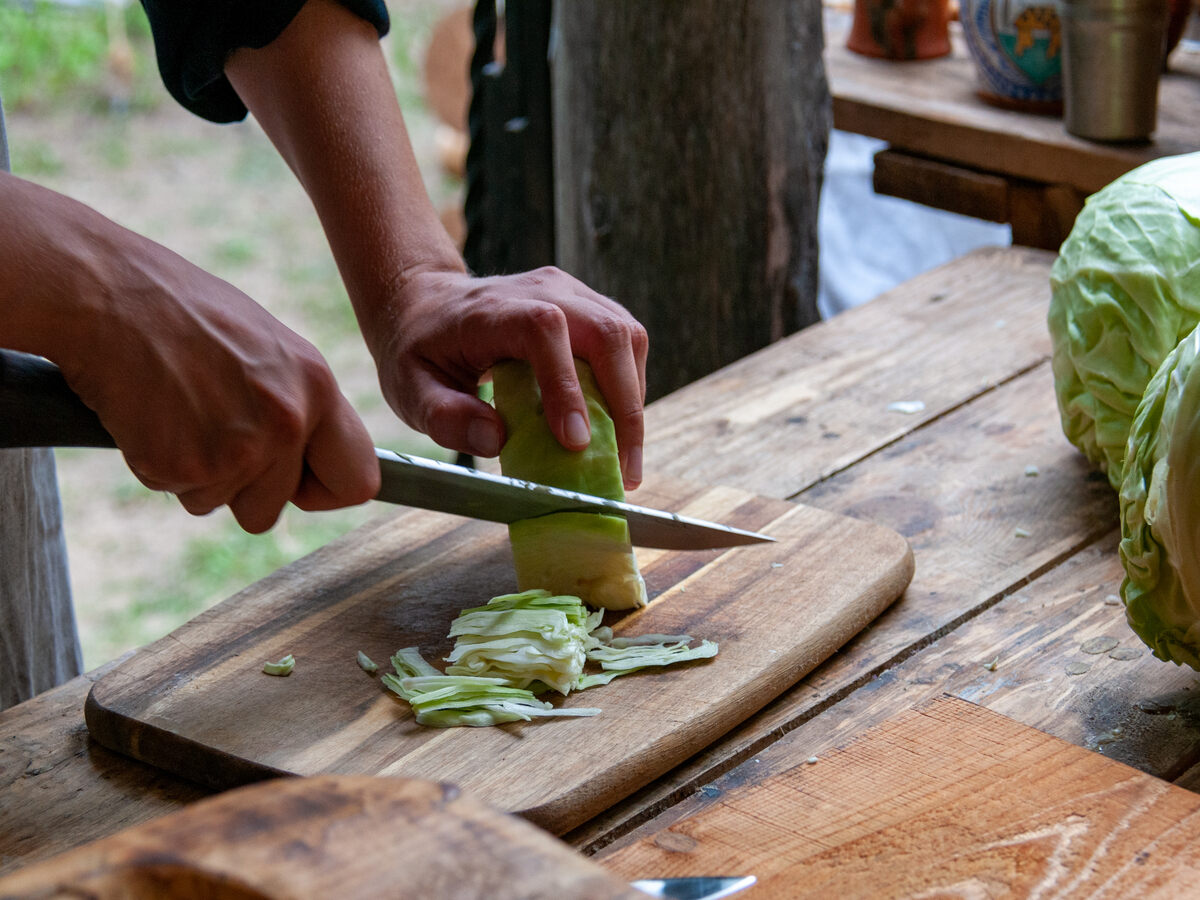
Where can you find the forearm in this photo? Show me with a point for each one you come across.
(57, 265)
(322, 93)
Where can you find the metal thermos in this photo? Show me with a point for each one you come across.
(1112, 58)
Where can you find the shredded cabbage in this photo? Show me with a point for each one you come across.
(495, 673)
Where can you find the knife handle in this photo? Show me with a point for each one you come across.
(39, 409)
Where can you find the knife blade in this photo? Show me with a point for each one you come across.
(39, 409)
(431, 484)
(694, 888)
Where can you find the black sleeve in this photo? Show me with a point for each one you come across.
(193, 38)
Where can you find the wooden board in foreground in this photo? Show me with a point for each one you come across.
(347, 837)
(197, 703)
(948, 799)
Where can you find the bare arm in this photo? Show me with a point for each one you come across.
(207, 395)
(323, 94)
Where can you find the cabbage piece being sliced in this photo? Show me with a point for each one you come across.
(1160, 510)
(1123, 294)
(587, 555)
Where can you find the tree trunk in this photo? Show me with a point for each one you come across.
(689, 142)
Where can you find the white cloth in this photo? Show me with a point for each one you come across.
(870, 243)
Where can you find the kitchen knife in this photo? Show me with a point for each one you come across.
(39, 409)
(694, 888)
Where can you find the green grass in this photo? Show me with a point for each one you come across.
(35, 159)
(51, 55)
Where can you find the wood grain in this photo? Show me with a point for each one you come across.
(957, 490)
(58, 789)
(948, 799)
(816, 403)
(349, 837)
(196, 703)
(932, 182)
(930, 108)
(689, 152)
(951, 478)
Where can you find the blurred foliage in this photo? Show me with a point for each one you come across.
(97, 55)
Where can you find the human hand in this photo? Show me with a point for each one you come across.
(448, 329)
(208, 396)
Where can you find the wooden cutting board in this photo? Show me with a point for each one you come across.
(197, 703)
(946, 800)
(349, 837)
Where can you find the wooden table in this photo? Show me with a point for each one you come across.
(1016, 572)
(949, 149)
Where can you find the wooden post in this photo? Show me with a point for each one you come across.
(38, 645)
(689, 142)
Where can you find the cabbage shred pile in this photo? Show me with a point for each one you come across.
(518, 646)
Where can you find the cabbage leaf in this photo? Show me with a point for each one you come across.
(1123, 294)
(1160, 510)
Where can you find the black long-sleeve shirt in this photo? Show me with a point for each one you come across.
(193, 39)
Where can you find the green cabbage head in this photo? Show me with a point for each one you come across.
(1125, 289)
(1160, 510)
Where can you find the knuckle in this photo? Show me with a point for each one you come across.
(614, 332)
(543, 275)
(240, 449)
(435, 414)
(546, 318)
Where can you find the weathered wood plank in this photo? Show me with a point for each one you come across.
(948, 799)
(938, 184)
(348, 837)
(689, 152)
(196, 703)
(980, 528)
(58, 789)
(1033, 658)
(929, 107)
(782, 419)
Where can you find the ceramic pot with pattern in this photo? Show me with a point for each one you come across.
(1016, 46)
(900, 29)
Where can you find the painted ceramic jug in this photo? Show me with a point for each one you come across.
(1017, 49)
(900, 29)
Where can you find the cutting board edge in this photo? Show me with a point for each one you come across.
(565, 812)
(206, 766)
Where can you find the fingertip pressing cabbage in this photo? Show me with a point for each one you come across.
(1125, 289)
(1160, 510)
(584, 555)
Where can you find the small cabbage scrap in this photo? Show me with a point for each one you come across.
(1123, 294)
(1160, 510)
(282, 668)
